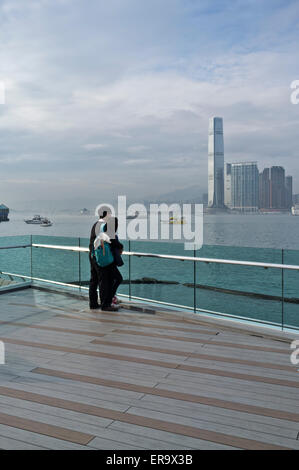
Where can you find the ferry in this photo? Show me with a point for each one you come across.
(46, 223)
(37, 220)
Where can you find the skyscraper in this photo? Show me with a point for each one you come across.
(216, 163)
(277, 187)
(228, 185)
(264, 189)
(244, 186)
(289, 192)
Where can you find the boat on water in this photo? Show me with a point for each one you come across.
(46, 223)
(36, 220)
(295, 209)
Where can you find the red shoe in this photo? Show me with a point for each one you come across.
(115, 300)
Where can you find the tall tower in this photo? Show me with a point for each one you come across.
(216, 163)
(245, 186)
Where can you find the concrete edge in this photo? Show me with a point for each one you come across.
(15, 287)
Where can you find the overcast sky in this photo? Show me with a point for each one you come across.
(113, 97)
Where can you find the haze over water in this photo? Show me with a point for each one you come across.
(262, 231)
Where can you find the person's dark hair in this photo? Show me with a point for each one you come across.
(111, 227)
(103, 214)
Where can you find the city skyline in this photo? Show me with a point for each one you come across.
(124, 90)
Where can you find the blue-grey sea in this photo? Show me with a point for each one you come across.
(244, 292)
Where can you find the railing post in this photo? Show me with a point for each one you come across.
(79, 252)
(282, 289)
(194, 280)
(31, 269)
(129, 270)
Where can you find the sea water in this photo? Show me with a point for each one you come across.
(241, 291)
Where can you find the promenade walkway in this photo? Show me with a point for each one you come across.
(76, 379)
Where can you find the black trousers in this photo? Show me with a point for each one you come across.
(110, 281)
(94, 283)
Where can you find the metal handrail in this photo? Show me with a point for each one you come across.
(180, 258)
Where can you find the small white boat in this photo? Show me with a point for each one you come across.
(46, 223)
(36, 220)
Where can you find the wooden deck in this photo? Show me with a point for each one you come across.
(74, 379)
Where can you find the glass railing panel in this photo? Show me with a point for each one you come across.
(245, 292)
(291, 290)
(162, 280)
(14, 260)
(56, 265)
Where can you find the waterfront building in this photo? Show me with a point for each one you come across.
(244, 186)
(264, 189)
(228, 185)
(296, 198)
(277, 188)
(216, 164)
(289, 192)
(4, 211)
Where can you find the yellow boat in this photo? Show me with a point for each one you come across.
(175, 220)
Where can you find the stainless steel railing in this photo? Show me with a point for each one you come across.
(130, 254)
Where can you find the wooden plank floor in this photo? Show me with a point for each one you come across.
(76, 379)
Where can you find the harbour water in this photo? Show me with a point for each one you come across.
(244, 292)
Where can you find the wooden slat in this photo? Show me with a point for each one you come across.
(279, 414)
(208, 357)
(214, 342)
(130, 418)
(146, 325)
(46, 429)
(170, 365)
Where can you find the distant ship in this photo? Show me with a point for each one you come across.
(46, 223)
(295, 209)
(84, 211)
(36, 220)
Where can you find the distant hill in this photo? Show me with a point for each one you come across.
(190, 194)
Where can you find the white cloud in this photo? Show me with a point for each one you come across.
(94, 146)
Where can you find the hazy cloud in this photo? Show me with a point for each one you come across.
(97, 91)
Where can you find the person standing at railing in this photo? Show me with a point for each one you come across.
(117, 249)
(107, 253)
(95, 272)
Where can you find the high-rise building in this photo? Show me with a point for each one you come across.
(264, 189)
(289, 192)
(216, 163)
(277, 187)
(296, 198)
(228, 185)
(244, 186)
